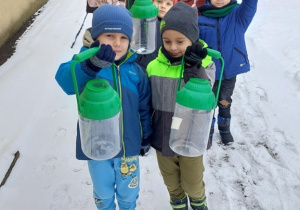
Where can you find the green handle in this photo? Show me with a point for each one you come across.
(80, 109)
(215, 54)
(220, 81)
(84, 55)
(181, 70)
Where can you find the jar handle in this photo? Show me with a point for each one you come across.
(215, 54)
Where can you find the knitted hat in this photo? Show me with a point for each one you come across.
(111, 19)
(182, 18)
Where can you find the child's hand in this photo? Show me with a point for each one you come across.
(194, 55)
(145, 146)
(102, 59)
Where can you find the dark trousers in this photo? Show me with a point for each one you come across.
(226, 91)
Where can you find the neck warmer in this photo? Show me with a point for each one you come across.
(173, 61)
(211, 11)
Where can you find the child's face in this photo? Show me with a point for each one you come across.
(118, 41)
(219, 3)
(163, 7)
(98, 3)
(175, 42)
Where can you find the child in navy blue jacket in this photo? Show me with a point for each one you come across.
(118, 177)
(222, 25)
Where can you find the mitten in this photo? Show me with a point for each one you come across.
(102, 59)
(194, 55)
(145, 146)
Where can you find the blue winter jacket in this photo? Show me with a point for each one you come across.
(134, 88)
(226, 34)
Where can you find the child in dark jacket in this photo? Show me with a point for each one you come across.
(183, 176)
(223, 25)
(118, 177)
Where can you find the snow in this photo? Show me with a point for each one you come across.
(260, 170)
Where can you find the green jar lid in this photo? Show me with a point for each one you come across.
(143, 9)
(196, 94)
(99, 101)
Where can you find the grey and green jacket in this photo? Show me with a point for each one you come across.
(164, 77)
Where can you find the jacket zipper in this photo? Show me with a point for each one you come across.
(219, 44)
(121, 112)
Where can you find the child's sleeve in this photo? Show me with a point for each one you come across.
(144, 106)
(194, 72)
(64, 77)
(246, 12)
(211, 72)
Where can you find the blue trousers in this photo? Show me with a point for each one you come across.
(117, 177)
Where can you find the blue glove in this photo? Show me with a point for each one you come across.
(102, 59)
(145, 146)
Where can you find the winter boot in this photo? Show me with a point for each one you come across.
(211, 133)
(224, 128)
(199, 204)
(179, 204)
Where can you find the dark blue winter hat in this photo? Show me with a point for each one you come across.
(111, 19)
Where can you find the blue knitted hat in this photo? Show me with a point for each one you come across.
(111, 19)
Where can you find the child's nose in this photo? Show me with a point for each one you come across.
(173, 46)
(117, 42)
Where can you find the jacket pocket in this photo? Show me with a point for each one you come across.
(242, 54)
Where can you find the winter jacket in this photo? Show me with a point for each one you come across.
(226, 34)
(164, 78)
(134, 89)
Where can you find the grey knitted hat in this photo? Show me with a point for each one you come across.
(182, 18)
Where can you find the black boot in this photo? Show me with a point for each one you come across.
(179, 204)
(211, 133)
(199, 204)
(224, 128)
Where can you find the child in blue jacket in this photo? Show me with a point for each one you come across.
(112, 28)
(223, 24)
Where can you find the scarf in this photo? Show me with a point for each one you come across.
(211, 11)
(173, 61)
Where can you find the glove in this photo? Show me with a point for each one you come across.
(194, 55)
(145, 146)
(193, 62)
(102, 59)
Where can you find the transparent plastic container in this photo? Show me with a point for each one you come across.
(100, 139)
(144, 35)
(190, 131)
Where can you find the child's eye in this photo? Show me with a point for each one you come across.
(124, 37)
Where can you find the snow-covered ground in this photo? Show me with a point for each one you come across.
(260, 170)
